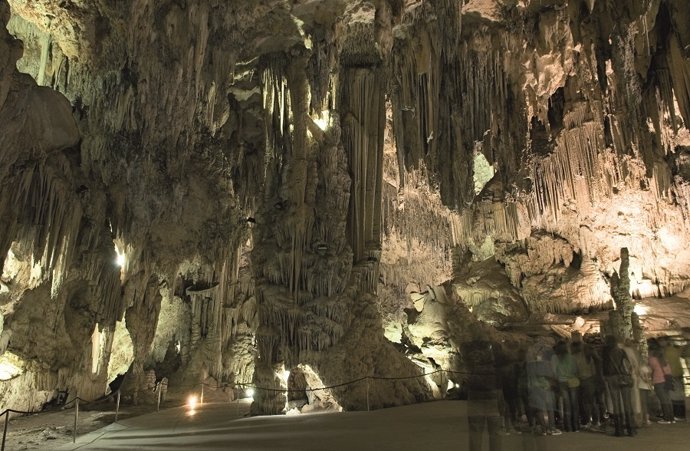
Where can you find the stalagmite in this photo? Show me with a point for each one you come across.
(621, 318)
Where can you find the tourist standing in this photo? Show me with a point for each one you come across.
(631, 352)
(661, 371)
(673, 355)
(568, 384)
(618, 374)
(586, 372)
(539, 385)
(483, 391)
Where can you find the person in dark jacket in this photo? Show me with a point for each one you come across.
(483, 392)
(565, 369)
(618, 374)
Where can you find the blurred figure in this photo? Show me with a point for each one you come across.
(509, 378)
(600, 390)
(568, 382)
(630, 348)
(586, 371)
(483, 392)
(540, 379)
(661, 370)
(673, 355)
(645, 385)
(523, 390)
(618, 374)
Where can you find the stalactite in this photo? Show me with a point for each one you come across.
(363, 114)
(50, 218)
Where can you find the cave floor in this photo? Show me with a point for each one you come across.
(438, 425)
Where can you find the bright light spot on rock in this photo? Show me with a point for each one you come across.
(120, 260)
(286, 375)
(640, 309)
(10, 366)
(451, 384)
(8, 371)
(250, 393)
(97, 348)
(482, 170)
(11, 267)
(122, 353)
(669, 240)
(324, 120)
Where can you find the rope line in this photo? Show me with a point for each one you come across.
(84, 402)
(347, 383)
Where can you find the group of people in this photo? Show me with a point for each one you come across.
(573, 386)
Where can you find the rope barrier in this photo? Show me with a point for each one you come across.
(80, 402)
(354, 381)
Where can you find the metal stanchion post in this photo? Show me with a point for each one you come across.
(76, 419)
(367, 394)
(4, 432)
(117, 406)
(160, 390)
(201, 400)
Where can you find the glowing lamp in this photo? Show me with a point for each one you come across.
(192, 402)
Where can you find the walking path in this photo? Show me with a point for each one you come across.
(438, 425)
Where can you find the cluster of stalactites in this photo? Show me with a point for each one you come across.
(363, 120)
(592, 152)
(440, 105)
(50, 225)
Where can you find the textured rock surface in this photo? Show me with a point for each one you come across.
(332, 183)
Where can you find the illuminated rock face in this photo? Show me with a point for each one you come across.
(227, 189)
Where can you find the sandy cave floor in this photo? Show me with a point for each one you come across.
(438, 425)
(50, 429)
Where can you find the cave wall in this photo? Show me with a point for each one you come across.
(229, 190)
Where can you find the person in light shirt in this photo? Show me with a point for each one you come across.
(660, 369)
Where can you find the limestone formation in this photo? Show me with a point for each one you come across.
(223, 191)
